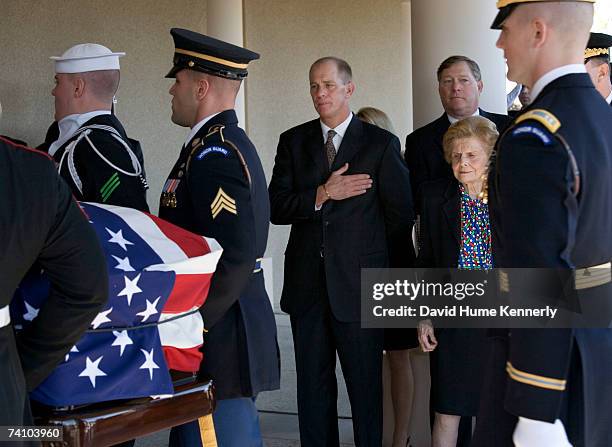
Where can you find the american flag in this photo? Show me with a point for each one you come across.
(159, 275)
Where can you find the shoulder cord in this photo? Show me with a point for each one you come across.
(243, 163)
(570, 154)
(84, 133)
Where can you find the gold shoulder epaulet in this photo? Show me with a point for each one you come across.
(544, 117)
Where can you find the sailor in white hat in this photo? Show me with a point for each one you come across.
(93, 152)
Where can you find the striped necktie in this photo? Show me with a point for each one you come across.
(330, 148)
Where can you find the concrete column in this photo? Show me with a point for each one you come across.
(442, 28)
(224, 21)
(406, 67)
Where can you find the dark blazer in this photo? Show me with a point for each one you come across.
(41, 223)
(440, 224)
(371, 230)
(424, 153)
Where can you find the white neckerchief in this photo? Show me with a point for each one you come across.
(70, 124)
(340, 130)
(195, 129)
(609, 98)
(453, 120)
(553, 75)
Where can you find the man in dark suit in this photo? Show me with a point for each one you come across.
(597, 62)
(95, 156)
(342, 186)
(42, 224)
(459, 85)
(217, 188)
(550, 195)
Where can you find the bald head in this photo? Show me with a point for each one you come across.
(569, 22)
(539, 37)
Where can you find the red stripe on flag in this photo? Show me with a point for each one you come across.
(187, 360)
(192, 244)
(189, 291)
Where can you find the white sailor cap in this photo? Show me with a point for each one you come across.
(86, 57)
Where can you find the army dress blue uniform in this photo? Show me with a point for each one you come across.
(550, 195)
(218, 189)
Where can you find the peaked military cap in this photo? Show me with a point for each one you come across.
(598, 46)
(195, 51)
(507, 6)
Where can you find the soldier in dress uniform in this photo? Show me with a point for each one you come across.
(597, 62)
(217, 188)
(550, 193)
(41, 223)
(93, 152)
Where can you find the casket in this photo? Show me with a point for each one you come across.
(110, 423)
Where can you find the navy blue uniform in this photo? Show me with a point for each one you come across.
(217, 188)
(99, 180)
(551, 206)
(40, 222)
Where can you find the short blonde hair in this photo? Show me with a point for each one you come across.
(375, 116)
(472, 127)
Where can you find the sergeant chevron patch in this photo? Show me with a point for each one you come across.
(222, 202)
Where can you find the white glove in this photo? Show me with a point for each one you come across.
(532, 433)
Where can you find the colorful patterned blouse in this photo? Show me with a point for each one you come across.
(475, 252)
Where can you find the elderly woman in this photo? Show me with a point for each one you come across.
(455, 233)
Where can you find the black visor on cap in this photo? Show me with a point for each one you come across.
(502, 15)
(199, 52)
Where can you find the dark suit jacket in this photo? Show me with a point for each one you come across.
(440, 237)
(371, 230)
(424, 153)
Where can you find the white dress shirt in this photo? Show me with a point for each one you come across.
(340, 130)
(453, 120)
(195, 129)
(553, 75)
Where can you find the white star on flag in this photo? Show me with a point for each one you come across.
(117, 238)
(31, 313)
(73, 349)
(150, 310)
(122, 340)
(123, 264)
(101, 318)
(92, 371)
(131, 288)
(149, 363)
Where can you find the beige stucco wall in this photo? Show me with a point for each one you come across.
(290, 35)
(31, 31)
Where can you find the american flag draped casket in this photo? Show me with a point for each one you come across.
(159, 275)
